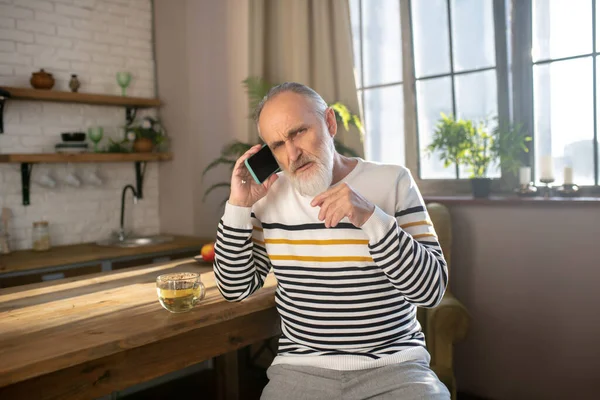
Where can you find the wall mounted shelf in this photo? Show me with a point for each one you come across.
(131, 104)
(28, 160)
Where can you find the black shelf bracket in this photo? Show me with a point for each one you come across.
(4, 94)
(130, 113)
(140, 171)
(25, 181)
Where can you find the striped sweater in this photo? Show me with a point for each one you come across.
(347, 296)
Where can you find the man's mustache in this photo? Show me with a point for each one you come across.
(300, 162)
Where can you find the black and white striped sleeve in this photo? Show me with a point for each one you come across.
(241, 262)
(406, 248)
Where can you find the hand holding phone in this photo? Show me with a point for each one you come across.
(250, 180)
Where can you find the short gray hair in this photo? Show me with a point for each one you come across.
(294, 87)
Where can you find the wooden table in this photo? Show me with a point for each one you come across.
(89, 336)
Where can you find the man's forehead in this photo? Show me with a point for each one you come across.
(284, 112)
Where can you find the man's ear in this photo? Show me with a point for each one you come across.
(330, 121)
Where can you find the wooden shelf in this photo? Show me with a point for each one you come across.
(85, 98)
(82, 157)
(27, 162)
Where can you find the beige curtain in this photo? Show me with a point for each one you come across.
(307, 41)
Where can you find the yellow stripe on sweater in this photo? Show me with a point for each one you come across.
(317, 242)
(417, 223)
(257, 228)
(424, 235)
(283, 257)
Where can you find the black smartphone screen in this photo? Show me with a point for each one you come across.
(262, 164)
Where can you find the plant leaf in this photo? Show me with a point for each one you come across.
(256, 88)
(218, 161)
(235, 149)
(213, 187)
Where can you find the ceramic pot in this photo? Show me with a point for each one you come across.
(481, 187)
(42, 80)
(143, 145)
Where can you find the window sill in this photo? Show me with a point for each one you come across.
(513, 200)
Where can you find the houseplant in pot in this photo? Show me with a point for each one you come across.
(257, 88)
(477, 146)
(146, 135)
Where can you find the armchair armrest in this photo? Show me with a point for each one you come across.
(445, 324)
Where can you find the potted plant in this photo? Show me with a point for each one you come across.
(146, 135)
(257, 88)
(477, 146)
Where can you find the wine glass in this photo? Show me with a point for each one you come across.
(123, 79)
(95, 134)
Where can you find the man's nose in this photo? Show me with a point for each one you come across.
(293, 151)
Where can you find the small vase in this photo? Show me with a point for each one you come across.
(74, 83)
(143, 145)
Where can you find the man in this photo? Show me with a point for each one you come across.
(354, 254)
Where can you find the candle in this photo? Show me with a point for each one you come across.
(524, 175)
(546, 168)
(568, 174)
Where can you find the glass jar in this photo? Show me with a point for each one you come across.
(41, 236)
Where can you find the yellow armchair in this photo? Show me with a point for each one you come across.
(448, 322)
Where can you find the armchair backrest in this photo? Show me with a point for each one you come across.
(442, 223)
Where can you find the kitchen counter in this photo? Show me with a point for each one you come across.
(90, 336)
(23, 260)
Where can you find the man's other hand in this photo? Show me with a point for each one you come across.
(342, 201)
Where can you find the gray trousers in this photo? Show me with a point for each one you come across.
(410, 380)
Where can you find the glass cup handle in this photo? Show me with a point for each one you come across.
(202, 292)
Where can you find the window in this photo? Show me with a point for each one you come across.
(455, 70)
(464, 54)
(565, 87)
(378, 70)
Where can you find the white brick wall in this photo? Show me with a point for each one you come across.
(93, 39)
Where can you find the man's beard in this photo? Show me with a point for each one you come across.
(318, 178)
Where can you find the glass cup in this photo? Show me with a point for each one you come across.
(95, 134)
(179, 291)
(123, 80)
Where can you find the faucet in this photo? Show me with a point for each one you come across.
(135, 200)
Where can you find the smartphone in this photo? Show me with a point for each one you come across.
(262, 164)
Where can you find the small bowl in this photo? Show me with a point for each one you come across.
(73, 136)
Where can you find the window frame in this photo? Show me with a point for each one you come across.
(360, 89)
(412, 145)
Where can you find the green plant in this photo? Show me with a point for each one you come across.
(148, 128)
(478, 145)
(451, 140)
(117, 147)
(257, 88)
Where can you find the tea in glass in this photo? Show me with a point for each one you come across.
(179, 292)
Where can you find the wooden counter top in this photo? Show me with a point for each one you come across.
(85, 336)
(22, 260)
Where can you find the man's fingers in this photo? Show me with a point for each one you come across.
(337, 217)
(327, 204)
(320, 197)
(267, 184)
